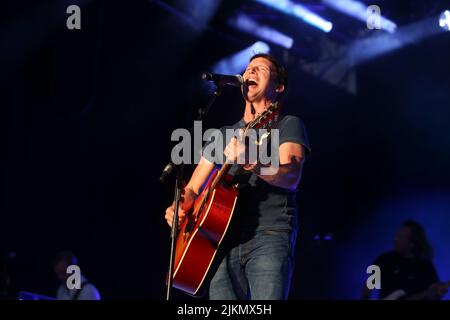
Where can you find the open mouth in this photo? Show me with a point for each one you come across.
(251, 83)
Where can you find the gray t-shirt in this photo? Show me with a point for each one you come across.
(260, 205)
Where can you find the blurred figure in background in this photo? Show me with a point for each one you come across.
(87, 290)
(407, 272)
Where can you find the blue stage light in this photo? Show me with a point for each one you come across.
(299, 11)
(444, 20)
(249, 25)
(237, 62)
(358, 10)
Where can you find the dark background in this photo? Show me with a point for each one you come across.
(86, 118)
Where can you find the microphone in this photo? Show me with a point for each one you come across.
(223, 79)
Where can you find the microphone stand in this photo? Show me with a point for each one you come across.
(178, 189)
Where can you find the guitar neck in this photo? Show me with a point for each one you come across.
(422, 295)
(262, 120)
(220, 174)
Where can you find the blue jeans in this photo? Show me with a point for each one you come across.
(259, 268)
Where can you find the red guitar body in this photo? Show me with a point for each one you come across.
(200, 235)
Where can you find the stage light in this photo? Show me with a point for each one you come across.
(358, 10)
(237, 62)
(299, 11)
(444, 20)
(248, 25)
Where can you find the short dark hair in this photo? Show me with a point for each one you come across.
(281, 77)
(65, 256)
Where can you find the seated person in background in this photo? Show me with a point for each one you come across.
(87, 290)
(407, 272)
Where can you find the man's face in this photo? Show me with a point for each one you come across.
(61, 271)
(258, 77)
(402, 242)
